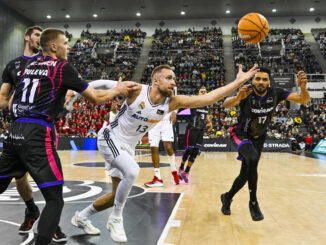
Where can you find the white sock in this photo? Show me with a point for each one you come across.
(88, 211)
(117, 209)
(171, 160)
(157, 173)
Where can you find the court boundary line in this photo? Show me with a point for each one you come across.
(170, 223)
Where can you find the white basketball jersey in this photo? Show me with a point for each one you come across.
(112, 116)
(133, 121)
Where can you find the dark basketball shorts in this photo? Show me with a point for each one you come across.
(194, 138)
(31, 147)
(239, 138)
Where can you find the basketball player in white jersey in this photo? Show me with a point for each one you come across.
(144, 107)
(163, 131)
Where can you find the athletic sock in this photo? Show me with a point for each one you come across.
(171, 160)
(88, 211)
(157, 173)
(117, 209)
(31, 206)
(182, 165)
(187, 169)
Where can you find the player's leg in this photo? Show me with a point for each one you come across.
(39, 147)
(238, 183)
(51, 213)
(188, 147)
(32, 212)
(168, 146)
(81, 219)
(196, 140)
(168, 139)
(154, 138)
(130, 170)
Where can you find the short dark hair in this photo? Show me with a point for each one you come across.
(30, 30)
(265, 70)
(49, 35)
(159, 68)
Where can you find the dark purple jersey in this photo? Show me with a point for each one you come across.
(42, 88)
(12, 72)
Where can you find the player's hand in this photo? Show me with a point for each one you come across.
(69, 100)
(302, 79)
(173, 117)
(242, 77)
(123, 88)
(244, 92)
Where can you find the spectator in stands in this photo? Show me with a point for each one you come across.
(308, 141)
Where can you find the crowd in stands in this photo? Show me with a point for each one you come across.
(285, 51)
(112, 54)
(195, 56)
(320, 37)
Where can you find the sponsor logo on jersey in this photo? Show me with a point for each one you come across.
(262, 110)
(141, 105)
(138, 112)
(269, 100)
(36, 72)
(45, 63)
(160, 112)
(201, 111)
(215, 145)
(144, 119)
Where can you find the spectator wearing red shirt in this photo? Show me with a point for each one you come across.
(84, 131)
(308, 141)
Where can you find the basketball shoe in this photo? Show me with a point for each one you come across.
(226, 203)
(85, 224)
(59, 236)
(156, 182)
(117, 231)
(185, 176)
(255, 212)
(29, 222)
(175, 177)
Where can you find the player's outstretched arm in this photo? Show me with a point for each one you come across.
(100, 96)
(243, 93)
(303, 97)
(182, 101)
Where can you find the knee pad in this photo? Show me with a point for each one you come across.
(186, 154)
(193, 154)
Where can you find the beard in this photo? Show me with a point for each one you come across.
(165, 93)
(34, 49)
(260, 90)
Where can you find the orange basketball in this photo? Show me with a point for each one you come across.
(253, 28)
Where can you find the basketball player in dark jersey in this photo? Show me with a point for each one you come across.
(31, 143)
(257, 105)
(10, 80)
(194, 137)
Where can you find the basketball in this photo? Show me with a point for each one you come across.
(253, 28)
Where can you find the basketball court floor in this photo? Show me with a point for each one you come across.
(291, 193)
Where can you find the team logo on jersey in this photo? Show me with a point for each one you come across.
(141, 105)
(160, 112)
(138, 112)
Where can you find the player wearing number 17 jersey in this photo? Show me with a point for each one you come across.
(257, 106)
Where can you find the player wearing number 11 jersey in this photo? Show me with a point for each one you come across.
(31, 143)
(257, 106)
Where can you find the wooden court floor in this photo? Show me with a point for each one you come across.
(291, 193)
